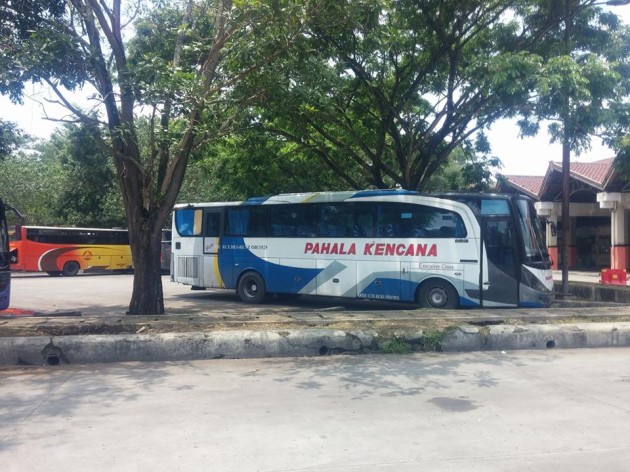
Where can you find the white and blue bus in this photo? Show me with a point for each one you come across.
(439, 251)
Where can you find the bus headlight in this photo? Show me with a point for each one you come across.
(532, 281)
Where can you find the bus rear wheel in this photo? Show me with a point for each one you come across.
(71, 268)
(251, 288)
(437, 294)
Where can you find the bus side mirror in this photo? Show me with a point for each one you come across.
(552, 226)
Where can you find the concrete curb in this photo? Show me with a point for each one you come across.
(164, 347)
(45, 350)
(512, 337)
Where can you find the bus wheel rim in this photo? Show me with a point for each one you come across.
(438, 297)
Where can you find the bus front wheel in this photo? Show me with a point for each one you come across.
(437, 294)
(71, 268)
(251, 288)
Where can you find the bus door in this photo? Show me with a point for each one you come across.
(211, 249)
(500, 273)
(187, 245)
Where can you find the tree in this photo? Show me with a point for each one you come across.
(585, 75)
(585, 57)
(11, 138)
(383, 92)
(223, 171)
(30, 183)
(180, 84)
(89, 194)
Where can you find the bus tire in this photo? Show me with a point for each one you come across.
(251, 288)
(71, 268)
(436, 293)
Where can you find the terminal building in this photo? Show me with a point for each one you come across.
(598, 213)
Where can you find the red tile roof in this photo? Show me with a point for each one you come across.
(597, 172)
(530, 184)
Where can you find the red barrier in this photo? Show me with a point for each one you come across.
(613, 276)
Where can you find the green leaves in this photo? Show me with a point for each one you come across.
(583, 74)
(383, 92)
(11, 138)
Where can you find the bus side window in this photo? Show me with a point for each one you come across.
(188, 222)
(386, 221)
(246, 221)
(365, 224)
(213, 220)
(290, 221)
(332, 221)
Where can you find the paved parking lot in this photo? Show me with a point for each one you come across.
(109, 294)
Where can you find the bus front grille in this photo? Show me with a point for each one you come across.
(188, 267)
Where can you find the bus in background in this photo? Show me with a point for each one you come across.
(5, 258)
(165, 251)
(438, 251)
(65, 251)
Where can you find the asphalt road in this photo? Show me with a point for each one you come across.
(520, 411)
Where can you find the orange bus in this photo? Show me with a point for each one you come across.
(66, 251)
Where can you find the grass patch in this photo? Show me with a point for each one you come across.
(432, 340)
(395, 346)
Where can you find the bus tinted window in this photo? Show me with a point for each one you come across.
(346, 220)
(213, 224)
(76, 236)
(402, 220)
(494, 207)
(246, 221)
(297, 220)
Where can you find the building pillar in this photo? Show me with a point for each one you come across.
(573, 251)
(619, 251)
(550, 211)
(618, 240)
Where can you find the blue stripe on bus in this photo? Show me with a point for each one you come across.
(467, 303)
(254, 200)
(235, 259)
(532, 305)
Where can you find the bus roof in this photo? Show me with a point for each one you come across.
(70, 228)
(325, 197)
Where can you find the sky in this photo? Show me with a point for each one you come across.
(519, 156)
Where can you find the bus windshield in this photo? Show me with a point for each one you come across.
(533, 240)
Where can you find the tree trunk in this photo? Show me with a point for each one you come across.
(147, 297)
